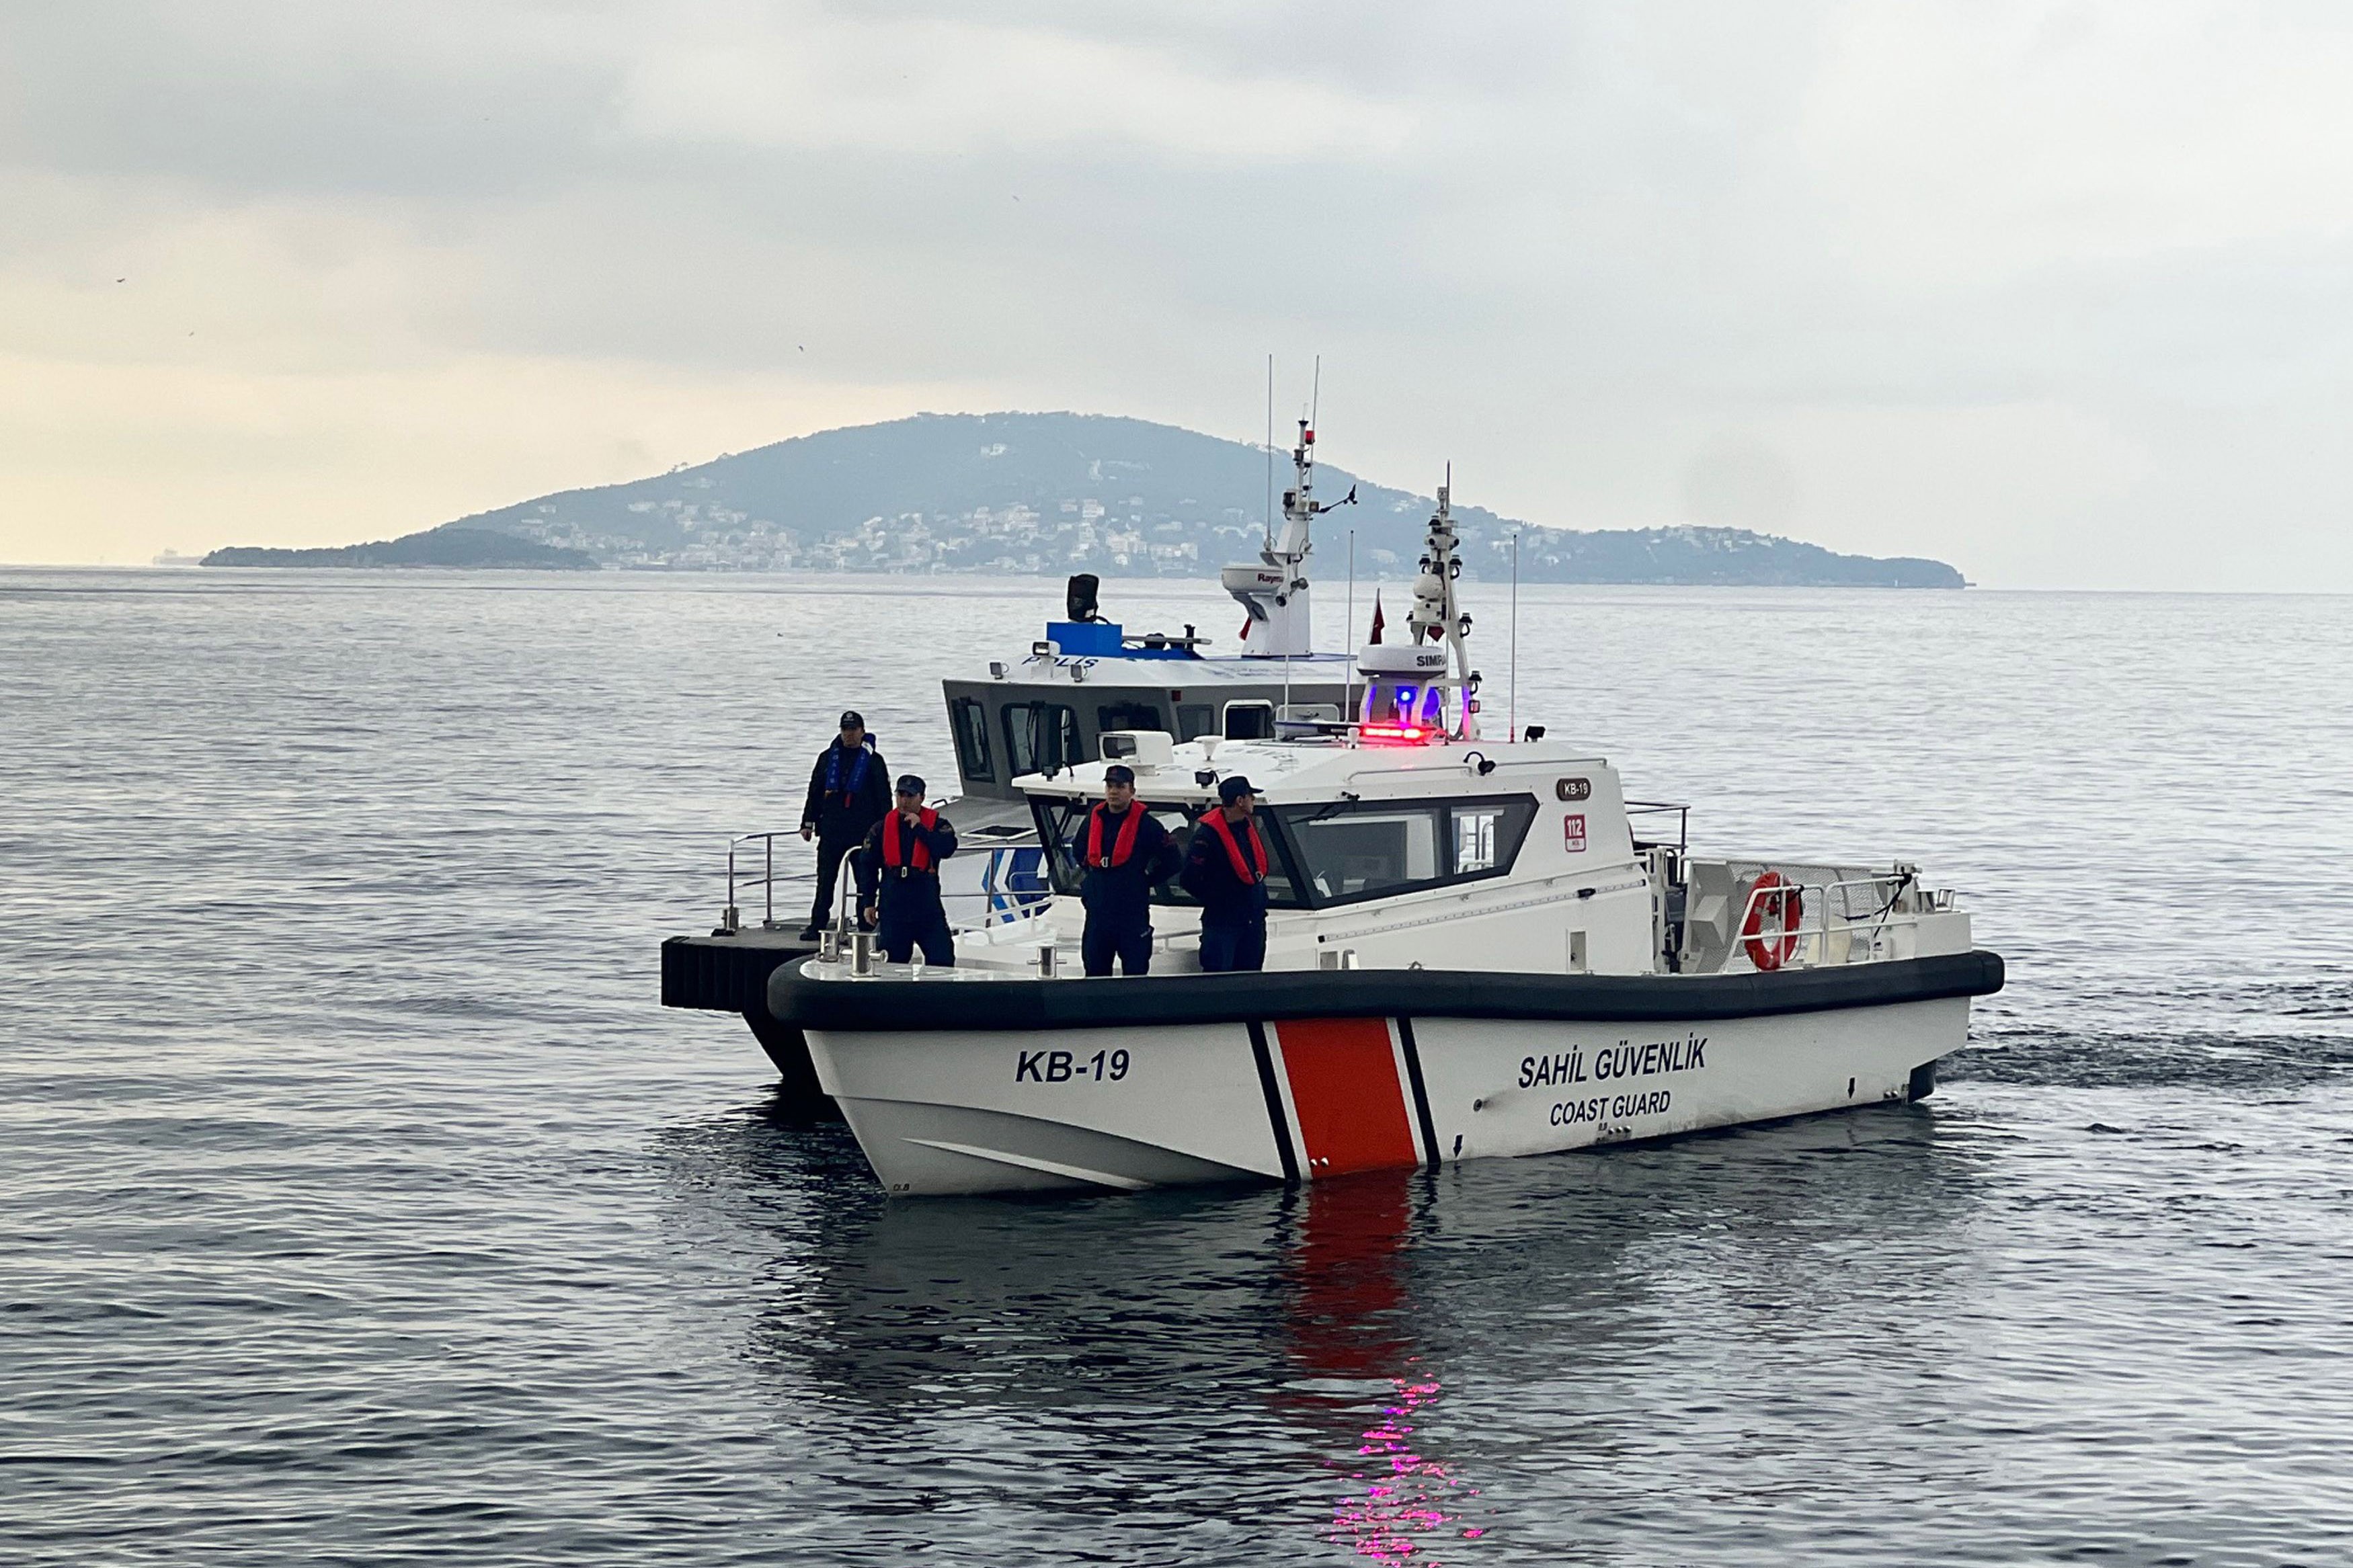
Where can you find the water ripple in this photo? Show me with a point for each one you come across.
(359, 1203)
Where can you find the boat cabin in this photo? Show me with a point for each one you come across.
(1088, 678)
(1382, 855)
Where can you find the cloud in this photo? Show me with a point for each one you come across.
(1976, 145)
(2059, 292)
(812, 81)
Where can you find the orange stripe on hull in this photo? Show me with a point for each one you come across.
(1343, 1087)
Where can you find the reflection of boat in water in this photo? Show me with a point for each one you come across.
(1219, 1367)
(1347, 1311)
(1474, 948)
(1407, 1494)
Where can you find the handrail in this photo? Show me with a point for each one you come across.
(731, 921)
(1875, 922)
(728, 922)
(845, 893)
(1900, 879)
(997, 854)
(1635, 808)
(845, 881)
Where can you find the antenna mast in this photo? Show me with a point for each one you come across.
(1274, 592)
(1437, 616)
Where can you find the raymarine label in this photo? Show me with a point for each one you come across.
(1572, 832)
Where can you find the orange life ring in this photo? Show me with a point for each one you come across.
(1770, 897)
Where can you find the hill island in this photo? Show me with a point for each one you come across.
(446, 546)
(1045, 494)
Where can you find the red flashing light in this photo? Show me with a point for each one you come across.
(1403, 734)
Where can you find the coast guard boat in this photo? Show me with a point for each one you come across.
(1475, 947)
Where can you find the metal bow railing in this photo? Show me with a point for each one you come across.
(1009, 887)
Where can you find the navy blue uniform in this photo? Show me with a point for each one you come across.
(1233, 897)
(897, 869)
(1118, 897)
(848, 793)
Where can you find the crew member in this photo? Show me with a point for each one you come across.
(1225, 867)
(849, 790)
(903, 853)
(1125, 853)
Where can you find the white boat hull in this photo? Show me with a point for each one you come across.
(986, 1111)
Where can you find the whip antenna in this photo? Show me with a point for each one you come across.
(1348, 638)
(1515, 637)
(1270, 451)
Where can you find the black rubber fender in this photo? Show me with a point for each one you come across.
(1029, 1005)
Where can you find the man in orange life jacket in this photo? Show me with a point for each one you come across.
(898, 878)
(1124, 852)
(849, 789)
(1225, 867)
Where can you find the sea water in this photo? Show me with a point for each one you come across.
(361, 1204)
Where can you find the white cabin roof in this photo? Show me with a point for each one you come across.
(1109, 669)
(1288, 772)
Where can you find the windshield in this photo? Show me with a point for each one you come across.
(1061, 822)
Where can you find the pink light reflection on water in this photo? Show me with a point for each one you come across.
(1402, 1504)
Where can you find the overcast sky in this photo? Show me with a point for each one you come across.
(2058, 292)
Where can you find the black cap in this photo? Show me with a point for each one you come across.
(909, 784)
(1119, 773)
(851, 718)
(1233, 788)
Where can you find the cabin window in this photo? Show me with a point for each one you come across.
(1128, 716)
(968, 721)
(1364, 853)
(1041, 737)
(1480, 832)
(1392, 704)
(1249, 720)
(1370, 850)
(1486, 835)
(1195, 720)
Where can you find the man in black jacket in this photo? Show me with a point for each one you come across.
(1225, 867)
(1124, 852)
(898, 878)
(849, 789)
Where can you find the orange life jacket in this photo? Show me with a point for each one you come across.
(896, 852)
(1124, 847)
(1225, 832)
